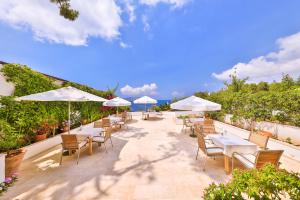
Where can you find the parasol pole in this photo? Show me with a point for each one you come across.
(69, 117)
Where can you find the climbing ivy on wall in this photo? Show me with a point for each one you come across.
(26, 80)
(25, 117)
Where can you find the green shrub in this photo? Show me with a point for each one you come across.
(267, 183)
(10, 139)
(257, 102)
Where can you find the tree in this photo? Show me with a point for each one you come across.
(287, 81)
(203, 95)
(236, 84)
(65, 9)
(262, 86)
(298, 81)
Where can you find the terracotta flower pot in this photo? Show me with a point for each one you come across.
(65, 128)
(13, 162)
(40, 137)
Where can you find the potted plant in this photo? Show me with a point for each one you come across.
(42, 131)
(64, 126)
(53, 124)
(84, 121)
(10, 143)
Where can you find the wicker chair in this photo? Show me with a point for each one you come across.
(124, 116)
(257, 161)
(98, 124)
(123, 120)
(207, 148)
(106, 123)
(187, 124)
(102, 139)
(71, 142)
(258, 139)
(208, 127)
(128, 116)
(208, 122)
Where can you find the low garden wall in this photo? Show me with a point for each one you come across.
(41, 146)
(287, 133)
(2, 167)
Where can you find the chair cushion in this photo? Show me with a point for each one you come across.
(98, 139)
(214, 151)
(248, 160)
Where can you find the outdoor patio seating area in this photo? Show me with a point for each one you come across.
(148, 160)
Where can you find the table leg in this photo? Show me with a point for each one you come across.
(227, 161)
(90, 145)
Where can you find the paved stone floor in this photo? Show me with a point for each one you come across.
(150, 160)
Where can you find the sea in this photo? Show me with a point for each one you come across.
(139, 107)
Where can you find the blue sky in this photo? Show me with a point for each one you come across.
(162, 48)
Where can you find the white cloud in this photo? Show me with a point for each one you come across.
(124, 45)
(175, 3)
(146, 89)
(271, 66)
(145, 23)
(130, 9)
(98, 18)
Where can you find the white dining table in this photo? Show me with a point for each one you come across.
(231, 144)
(114, 119)
(88, 132)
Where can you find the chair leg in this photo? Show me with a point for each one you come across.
(105, 147)
(197, 153)
(78, 155)
(111, 142)
(204, 164)
(62, 151)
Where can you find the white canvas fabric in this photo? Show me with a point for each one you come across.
(69, 94)
(145, 100)
(117, 102)
(194, 103)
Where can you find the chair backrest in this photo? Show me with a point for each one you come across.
(208, 122)
(192, 115)
(258, 139)
(201, 142)
(106, 122)
(264, 157)
(198, 129)
(209, 129)
(184, 121)
(124, 116)
(69, 141)
(98, 124)
(265, 133)
(107, 133)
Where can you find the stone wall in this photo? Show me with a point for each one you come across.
(6, 88)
